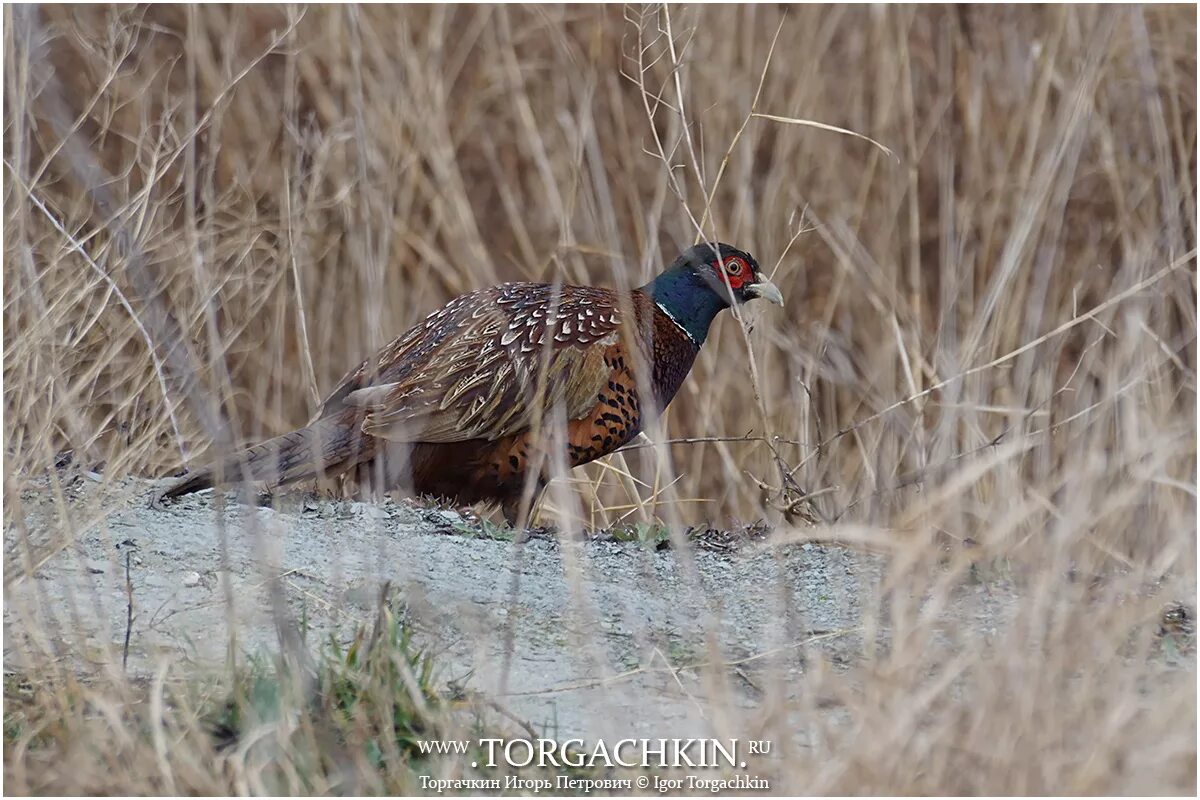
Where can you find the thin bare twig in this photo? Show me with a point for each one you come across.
(128, 611)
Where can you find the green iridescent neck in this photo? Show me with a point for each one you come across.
(684, 296)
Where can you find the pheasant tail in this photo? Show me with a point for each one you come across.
(326, 448)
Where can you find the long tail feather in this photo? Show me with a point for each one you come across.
(327, 447)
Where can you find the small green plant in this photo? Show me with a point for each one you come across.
(376, 693)
(485, 529)
(653, 536)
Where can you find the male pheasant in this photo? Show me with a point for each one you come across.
(468, 404)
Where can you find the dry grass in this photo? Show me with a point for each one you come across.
(989, 340)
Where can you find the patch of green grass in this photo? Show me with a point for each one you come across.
(484, 529)
(377, 693)
(653, 536)
(18, 694)
(346, 719)
(683, 653)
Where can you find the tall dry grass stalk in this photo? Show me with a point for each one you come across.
(987, 361)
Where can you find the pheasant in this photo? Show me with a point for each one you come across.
(475, 403)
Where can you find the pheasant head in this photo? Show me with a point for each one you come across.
(704, 281)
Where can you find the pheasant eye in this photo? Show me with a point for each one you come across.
(734, 266)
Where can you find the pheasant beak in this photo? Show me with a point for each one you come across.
(767, 291)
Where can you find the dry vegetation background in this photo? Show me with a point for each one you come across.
(990, 339)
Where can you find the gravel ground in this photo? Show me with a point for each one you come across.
(594, 626)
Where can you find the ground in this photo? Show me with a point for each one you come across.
(603, 631)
